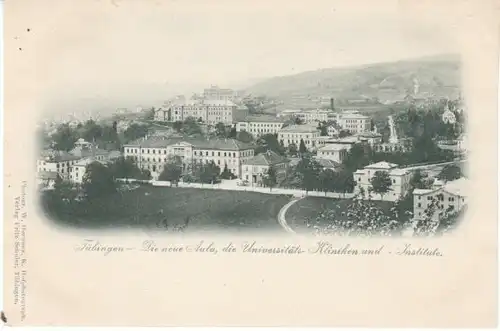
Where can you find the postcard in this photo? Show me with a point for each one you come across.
(251, 163)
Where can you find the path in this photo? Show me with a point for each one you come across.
(281, 215)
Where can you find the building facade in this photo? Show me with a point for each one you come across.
(258, 126)
(353, 121)
(334, 152)
(207, 111)
(451, 196)
(152, 154)
(400, 180)
(256, 168)
(295, 133)
(216, 93)
(313, 116)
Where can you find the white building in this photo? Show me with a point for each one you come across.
(288, 112)
(58, 162)
(152, 154)
(353, 121)
(451, 196)
(346, 142)
(254, 169)
(334, 152)
(295, 133)
(400, 180)
(260, 125)
(216, 93)
(370, 138)
(206, 111)
(313, 116)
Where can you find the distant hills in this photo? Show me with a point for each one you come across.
(433, 76)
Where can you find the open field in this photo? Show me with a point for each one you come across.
(310, 207)
(204, 210)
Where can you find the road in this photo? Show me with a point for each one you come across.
(281, 215)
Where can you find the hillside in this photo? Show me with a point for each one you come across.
(389, 82)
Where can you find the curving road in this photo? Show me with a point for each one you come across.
(281, 215)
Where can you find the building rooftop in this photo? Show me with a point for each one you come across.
(382, 165)
(266, 159)
(264, 118)
(300, 129)
(353, 116)
(369, 135)
(218, 144)
(61, 156)
(325, 163)
(332, 147)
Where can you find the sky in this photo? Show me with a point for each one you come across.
(122, 53)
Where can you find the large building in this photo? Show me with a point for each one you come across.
(451, 196)
(207, 111)
(400, 180)
(260, 125)
(216, 93)
(353, 121)
(314, 115)
(57, 162)
(256, 168)
(153, 153)
(293, 134)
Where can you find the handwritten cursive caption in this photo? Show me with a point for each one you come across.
(320, 247)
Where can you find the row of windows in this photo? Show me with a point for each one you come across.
(297, 136)
(440, 198)
(278, 125)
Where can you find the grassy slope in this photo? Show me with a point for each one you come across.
(205, 208)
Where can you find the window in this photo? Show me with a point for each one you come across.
(451, 199)
(394, 181)
(213, 153)
(429, 198)
(419, 205)
(218, 153)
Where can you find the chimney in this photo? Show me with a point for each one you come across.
(332, 103)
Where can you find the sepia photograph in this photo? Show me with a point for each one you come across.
(251, 163)
(370, 145)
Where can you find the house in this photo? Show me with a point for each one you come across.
(293, 134)
(257, 167)
(353, 121)
(370, 138)
(260, 125)
(450, 196)
(400, 180)
(58, 162)
(78, 170)
(313, 116)
(47, 179)
(334, 152)
(152, 153)
(449, 117)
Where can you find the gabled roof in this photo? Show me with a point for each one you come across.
(300, 129)
(457, 187)
(266, 159)
(60, 156)
(218, 144)
(332, 147)
(325, 163)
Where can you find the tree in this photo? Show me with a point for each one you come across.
(209, 173)
(220, 130)
(372, 125)
(125, 168)
(191, 127)
(323, 127)
(135, 131)
(64, 138)
(310, 170)
(233, 133)
(450, 172)
(358, 157)
(381, 183)
(270, 178)
(269, 142)
(226, 174)
(302, 147)
(244, 136)
(292, 149)
(358, 218)
(344, 133)
(298, 120)
(177, 126)
(345, 182)
(420, 180)
(98, 181)
(91, 131)
(328, 180)
(172, 170)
